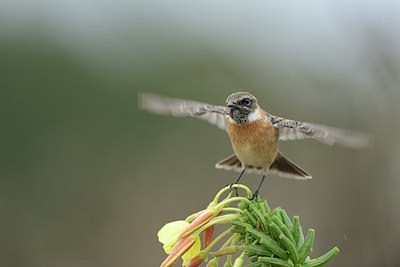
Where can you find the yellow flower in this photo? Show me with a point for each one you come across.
(187, 247)
(181, 239)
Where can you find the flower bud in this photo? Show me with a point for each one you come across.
(213, 263)
(196, 261)
(208, 236)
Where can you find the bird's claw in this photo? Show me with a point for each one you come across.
(254, 196)
(230, 187)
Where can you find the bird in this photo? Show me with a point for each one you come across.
(254, 133)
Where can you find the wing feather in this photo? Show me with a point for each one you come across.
(183, 108)
(288, 129)
(295, 130)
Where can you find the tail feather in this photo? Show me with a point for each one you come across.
(231, 163)
(282, 166)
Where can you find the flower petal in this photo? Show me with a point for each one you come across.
(179, 250)
(192, 252)
(168, 235)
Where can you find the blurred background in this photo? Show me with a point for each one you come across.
(87, 179)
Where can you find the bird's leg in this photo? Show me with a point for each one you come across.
(255, 194)
(237, 181)
(240, 176)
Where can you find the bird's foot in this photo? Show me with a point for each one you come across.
(255, 195)
(230, 187)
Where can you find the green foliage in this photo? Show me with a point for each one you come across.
(270, 238)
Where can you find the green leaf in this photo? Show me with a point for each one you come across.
(261, 219)
(275, 262)
(297, 232)
(255, 264)
(277, 212)
(275, 231)
(284, 229)
(306, 249)
(251, 218)
(286, 219)
(243, 205)
(323, 259)
(257, 250)
(239, 230)
(264, 206)
(248, 238)
(291, 247)
(256, 233)
(274, 247)
(241, 224)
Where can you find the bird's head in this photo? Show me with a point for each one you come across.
(243, 108)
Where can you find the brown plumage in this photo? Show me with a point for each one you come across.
(255, 143)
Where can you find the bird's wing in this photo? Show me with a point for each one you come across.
(295, 130)
(183, 108)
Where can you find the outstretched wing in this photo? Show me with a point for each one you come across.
(294, 130)
(183, 108)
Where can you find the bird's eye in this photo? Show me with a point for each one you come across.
(246, 101)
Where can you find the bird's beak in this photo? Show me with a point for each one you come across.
(231, 105)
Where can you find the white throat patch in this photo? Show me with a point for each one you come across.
(256, 115)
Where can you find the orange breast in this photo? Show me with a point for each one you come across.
(255, 144)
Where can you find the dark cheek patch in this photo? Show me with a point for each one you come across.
(240, 116)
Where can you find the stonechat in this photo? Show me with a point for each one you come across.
(254, 133)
